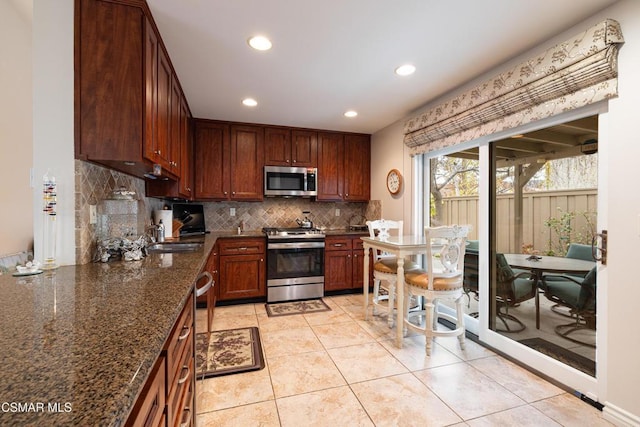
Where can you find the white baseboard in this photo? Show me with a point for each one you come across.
(619, 416)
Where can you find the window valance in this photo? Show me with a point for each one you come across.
(570, 75)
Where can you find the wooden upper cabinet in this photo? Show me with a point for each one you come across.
(186, 152)
(247, 162)
(290, 147)
(357, 173)
(151, 85)
(344, 167)
(175, 126)
(163, 101)
(304, 148)
(277, 146)
(330, 166)
(109, 82)
(127, 96)
(212, 153)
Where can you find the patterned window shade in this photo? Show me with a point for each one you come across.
(578, 72)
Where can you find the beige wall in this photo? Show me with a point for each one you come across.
(388, 152)
(16, 147)
(618, 210)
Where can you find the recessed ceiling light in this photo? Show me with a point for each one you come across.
(350, 113)
(405, 70)
(250, 102)
(260, 43)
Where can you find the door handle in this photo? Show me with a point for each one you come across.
(600, 253)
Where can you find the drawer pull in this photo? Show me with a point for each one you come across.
(244, 248)
(185, 335)
(186, 377)
(187, 423)
(338, 245)
(203, 290)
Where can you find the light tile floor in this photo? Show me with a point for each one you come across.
(336, 369)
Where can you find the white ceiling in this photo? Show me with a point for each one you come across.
(329, 56)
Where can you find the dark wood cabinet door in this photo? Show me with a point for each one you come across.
(242, 276)
(109, 82)
(211, 164)
(163, 121)
(247, 162)
(175, 126)
(277, 146)
(358, 263)
(338, 270)
(304, 148)
(330, 166)
(357, 174)
(151, 88)
(186, 152)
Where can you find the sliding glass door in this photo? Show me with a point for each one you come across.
(531, 276)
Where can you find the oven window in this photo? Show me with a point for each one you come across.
(285, 181)
(293, 263)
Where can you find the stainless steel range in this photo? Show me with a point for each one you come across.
(295, 263)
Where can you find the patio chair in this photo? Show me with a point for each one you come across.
(579, 296)
(471, 274)
(511, 289)
(575, 251)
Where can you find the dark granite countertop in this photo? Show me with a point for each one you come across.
(77, 343)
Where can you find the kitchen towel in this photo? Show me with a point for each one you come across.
(167, 220)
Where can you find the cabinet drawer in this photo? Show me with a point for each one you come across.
(358, 244)
(239, 246)
(181, 338)
(179, 388)
(337, 244)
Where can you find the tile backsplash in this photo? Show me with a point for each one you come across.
(278, 212)
(95, 184)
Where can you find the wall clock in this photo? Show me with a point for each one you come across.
(394, 181)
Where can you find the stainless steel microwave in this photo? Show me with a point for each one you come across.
(287, 181)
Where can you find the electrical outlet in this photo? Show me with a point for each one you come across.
(232, 211)
(93, 214)
(337, 212)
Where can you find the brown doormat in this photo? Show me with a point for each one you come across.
(296, 307)
(228, 352)
(561, 354)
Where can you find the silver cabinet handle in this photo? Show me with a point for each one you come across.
(183, 379)
(203, 290)
(188, 422)
(184, 336)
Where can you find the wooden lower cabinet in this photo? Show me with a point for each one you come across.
(168, 398)
(242, 270)
(343, 263)
(149, 409)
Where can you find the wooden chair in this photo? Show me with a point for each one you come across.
(385, 268)
(443, 279)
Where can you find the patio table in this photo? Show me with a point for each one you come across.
(547, 264)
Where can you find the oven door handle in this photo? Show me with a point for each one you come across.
(295, 245)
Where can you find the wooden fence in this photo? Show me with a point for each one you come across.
(537, 209)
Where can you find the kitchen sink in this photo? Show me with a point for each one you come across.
(173, 247)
